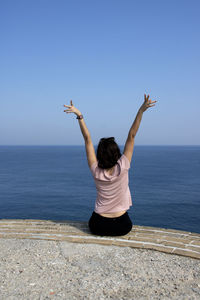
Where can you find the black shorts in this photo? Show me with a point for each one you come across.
(103, 226)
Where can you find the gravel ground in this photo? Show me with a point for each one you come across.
(39, 269)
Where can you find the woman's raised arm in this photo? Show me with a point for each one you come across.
(91, 156)
(128, 149)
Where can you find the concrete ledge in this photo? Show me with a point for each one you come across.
(164, 240)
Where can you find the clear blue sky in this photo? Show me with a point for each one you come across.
(104, 55)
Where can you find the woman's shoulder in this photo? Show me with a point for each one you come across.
(94, 166)
(124, 162)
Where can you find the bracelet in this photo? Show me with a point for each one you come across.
(79, 117)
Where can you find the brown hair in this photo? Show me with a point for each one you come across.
(108, 153)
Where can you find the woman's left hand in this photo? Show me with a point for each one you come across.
(72, 109)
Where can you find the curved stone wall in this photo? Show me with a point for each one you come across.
(165, 240)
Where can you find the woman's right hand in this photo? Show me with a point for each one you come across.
(147, 103)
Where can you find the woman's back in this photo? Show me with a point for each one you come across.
(113, 193)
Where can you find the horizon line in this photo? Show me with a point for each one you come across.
(82, 145)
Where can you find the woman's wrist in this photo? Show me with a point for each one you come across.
(141, 110)
(80, 117)
(78, 113)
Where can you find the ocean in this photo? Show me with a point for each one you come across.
(55, 183)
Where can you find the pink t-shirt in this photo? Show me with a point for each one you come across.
(113, 193)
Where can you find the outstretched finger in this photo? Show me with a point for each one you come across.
(67, 105)
(71, 103)
(146, 98)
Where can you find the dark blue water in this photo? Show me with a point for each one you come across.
(54, 182)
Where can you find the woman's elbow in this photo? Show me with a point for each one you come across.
(87, 139)
(131, 135)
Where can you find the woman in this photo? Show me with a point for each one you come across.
(110, 172)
